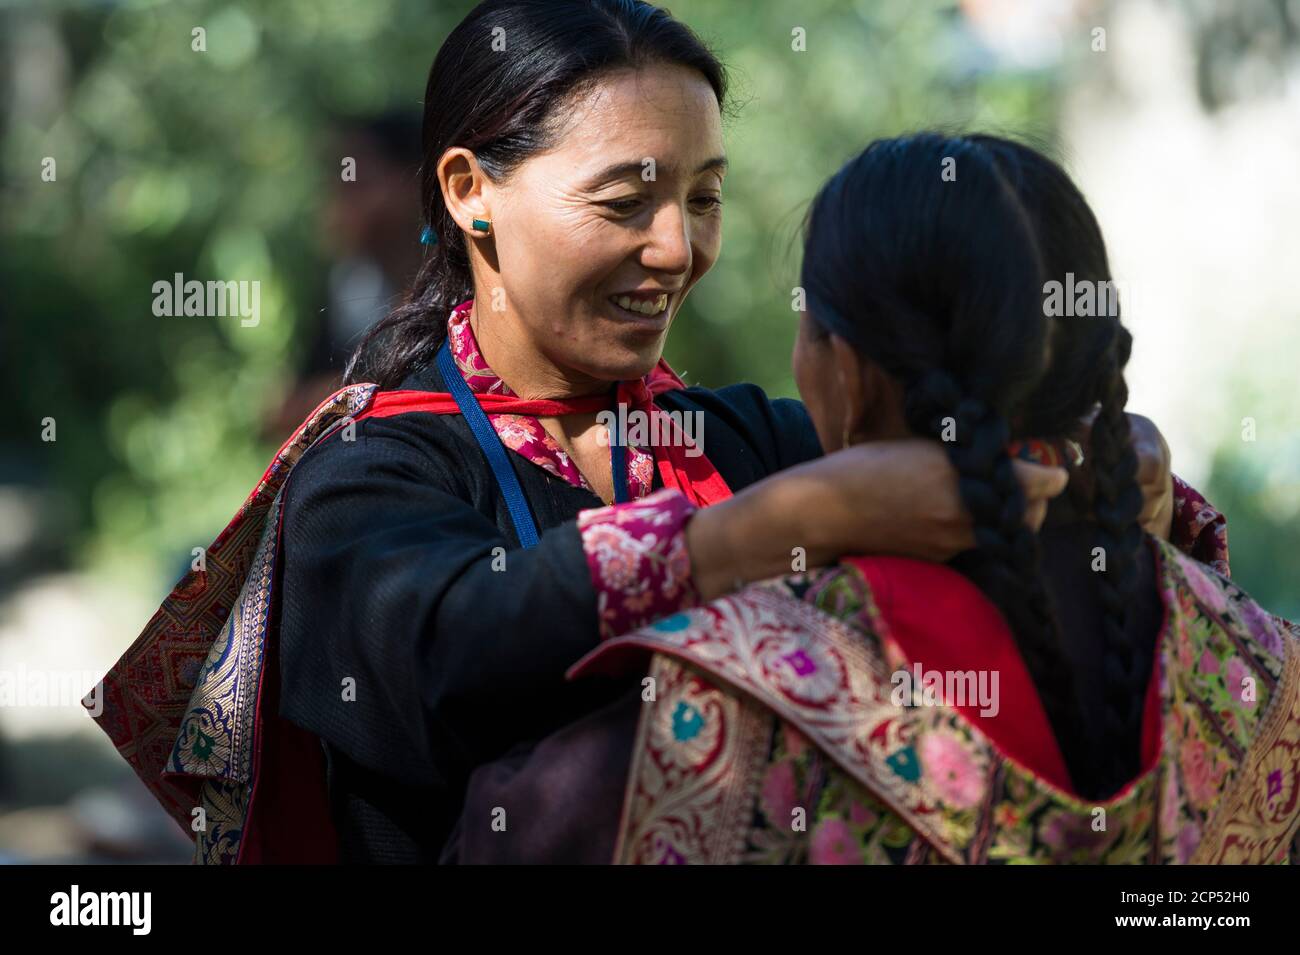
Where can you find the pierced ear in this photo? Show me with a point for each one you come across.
(465, 187)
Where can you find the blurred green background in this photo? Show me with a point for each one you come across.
(217, 164)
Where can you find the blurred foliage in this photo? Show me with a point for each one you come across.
(209, 164)
(1255, 481)
(214, 165)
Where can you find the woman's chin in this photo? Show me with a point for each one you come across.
(623, 361)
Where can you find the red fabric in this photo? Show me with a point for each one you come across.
(942, 621)
(524, 434)
(389, 403)
(694, 476)
(921, 601)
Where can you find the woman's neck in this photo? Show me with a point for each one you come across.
(516, 360)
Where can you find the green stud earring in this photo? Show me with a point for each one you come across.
(482, 225)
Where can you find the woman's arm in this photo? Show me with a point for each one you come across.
(889, 497)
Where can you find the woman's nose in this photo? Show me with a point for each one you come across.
(669, 246)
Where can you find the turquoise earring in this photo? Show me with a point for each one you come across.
(482, 225)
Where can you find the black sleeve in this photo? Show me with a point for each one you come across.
(796, 438)
(388, 579)
(760, 436)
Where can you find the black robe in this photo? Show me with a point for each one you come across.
(387, 579)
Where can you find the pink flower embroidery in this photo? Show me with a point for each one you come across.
(1207, 589)
(1262, 627)
(1200, 774)
(861, 816)
(833, 843)
(1235, 677)
(1208, 662)
(951, 770)
(637, 556)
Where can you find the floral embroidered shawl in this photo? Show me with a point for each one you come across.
(773, 738)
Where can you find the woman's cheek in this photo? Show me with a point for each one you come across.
(706, 245)
(810, 378)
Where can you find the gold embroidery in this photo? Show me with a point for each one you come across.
(1259, 815)
(694, 774)
(812, 671)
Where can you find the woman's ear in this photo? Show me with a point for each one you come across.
(466, 190)
(855, 391)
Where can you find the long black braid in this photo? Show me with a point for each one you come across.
(1117, 502)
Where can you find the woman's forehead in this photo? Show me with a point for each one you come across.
(664, 112)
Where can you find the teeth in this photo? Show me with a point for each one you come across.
(653, 307)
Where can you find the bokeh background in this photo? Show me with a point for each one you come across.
(1183, 131)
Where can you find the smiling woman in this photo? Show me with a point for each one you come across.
(446, 535)
(625, 241)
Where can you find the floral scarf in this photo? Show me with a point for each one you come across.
(774, 736)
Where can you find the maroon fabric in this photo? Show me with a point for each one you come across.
(562, 797)
(289, 814)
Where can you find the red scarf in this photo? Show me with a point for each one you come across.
(694, 476)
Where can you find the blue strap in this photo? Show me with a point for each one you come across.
(488, 440)
(618, 467)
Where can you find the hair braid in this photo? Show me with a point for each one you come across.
(1006, 564)
(1117, 502)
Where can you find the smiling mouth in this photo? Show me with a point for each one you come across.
(641, 307)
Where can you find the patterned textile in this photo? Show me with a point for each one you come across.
(181, 703)
(637, 556)
(774, 738)
(1198, 529)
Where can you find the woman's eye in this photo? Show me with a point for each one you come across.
(707, 203)
(622, 205)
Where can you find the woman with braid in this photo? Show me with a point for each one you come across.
(1087, 693)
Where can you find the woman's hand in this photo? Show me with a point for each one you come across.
(886, 497)
(1155, 476)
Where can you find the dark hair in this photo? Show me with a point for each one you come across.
(941, 280)
(503, 107)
